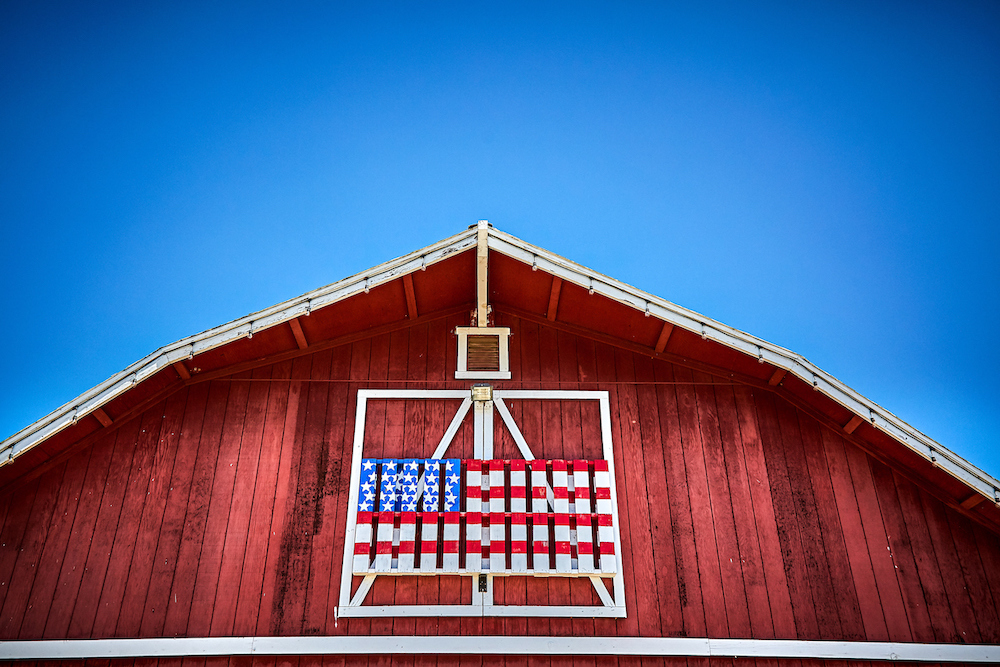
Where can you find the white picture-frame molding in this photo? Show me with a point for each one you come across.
(352, 604)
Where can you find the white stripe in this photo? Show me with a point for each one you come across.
(80, 649)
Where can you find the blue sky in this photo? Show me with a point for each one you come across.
(822, 175)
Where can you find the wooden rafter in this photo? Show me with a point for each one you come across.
(411, 297)
(852, 425)
(327, 344)
(777, 377)
(550, 314)
(300, 335)
(102, 416)
(661, 342)
(182, 370)
(973, 500)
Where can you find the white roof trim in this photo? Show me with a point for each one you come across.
(549, 262)
(186, 348)
(755, 347)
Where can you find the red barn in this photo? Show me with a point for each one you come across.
(484, 452)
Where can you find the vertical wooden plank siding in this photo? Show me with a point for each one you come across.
(183, 583)
(172, 527)
(220, 511)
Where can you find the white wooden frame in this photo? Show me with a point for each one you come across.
(462, 371)
(613, 604)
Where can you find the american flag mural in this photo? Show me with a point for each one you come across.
(453, 516)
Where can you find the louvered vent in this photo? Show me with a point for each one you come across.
(484, 353)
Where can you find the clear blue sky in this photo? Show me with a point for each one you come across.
(823, 175)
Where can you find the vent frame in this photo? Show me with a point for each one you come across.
(501, 372)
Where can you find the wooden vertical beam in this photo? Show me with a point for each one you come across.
(411, 297)
(852, 426)
(182, 370)
(779, 375)
(550, 314)
(300, 336)
(102, 416)
(661, 342)
(482, 264)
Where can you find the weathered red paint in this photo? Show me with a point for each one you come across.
(217, 507)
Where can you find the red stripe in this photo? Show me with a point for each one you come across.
(585, 548)
(582, 492)
(558, 464)
(604, 520)
(517, 464)
(517, 492)
(496, 492)
(473, 464)
(406, 547)
(562, 547)
(429, 517)
(383, 548)
(408, 517)
(538, 492)
(579, 465)
(497, 519)
(561, 519)
(451, 517)
(583, 519)
(362, 549)
(386, 517)
(607, 548)
(603, 493)
(541, 547)
(540, 519)
(518, 547)
(450, 546)
(518, 517)
(364, 517)
(473, 517)
(600, 465)
(428, 547)
(560, 492)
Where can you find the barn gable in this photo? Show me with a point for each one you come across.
(751, 506)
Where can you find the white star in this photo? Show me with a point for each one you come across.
(450, 465)
(411, 465)
(453, 479)
(368, 464)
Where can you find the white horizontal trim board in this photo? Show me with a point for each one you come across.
(178, 647)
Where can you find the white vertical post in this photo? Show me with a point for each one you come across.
(539, 507)
(473, 517)
(498, 528)
(584, 526)
(518, 517)
(560, 489)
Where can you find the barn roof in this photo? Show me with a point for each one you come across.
(530, 282)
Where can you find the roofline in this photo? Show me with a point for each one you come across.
(567, 270)
(186, 348)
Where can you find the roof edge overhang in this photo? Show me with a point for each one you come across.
(567, 270)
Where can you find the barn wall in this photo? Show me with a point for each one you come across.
(220, 511)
